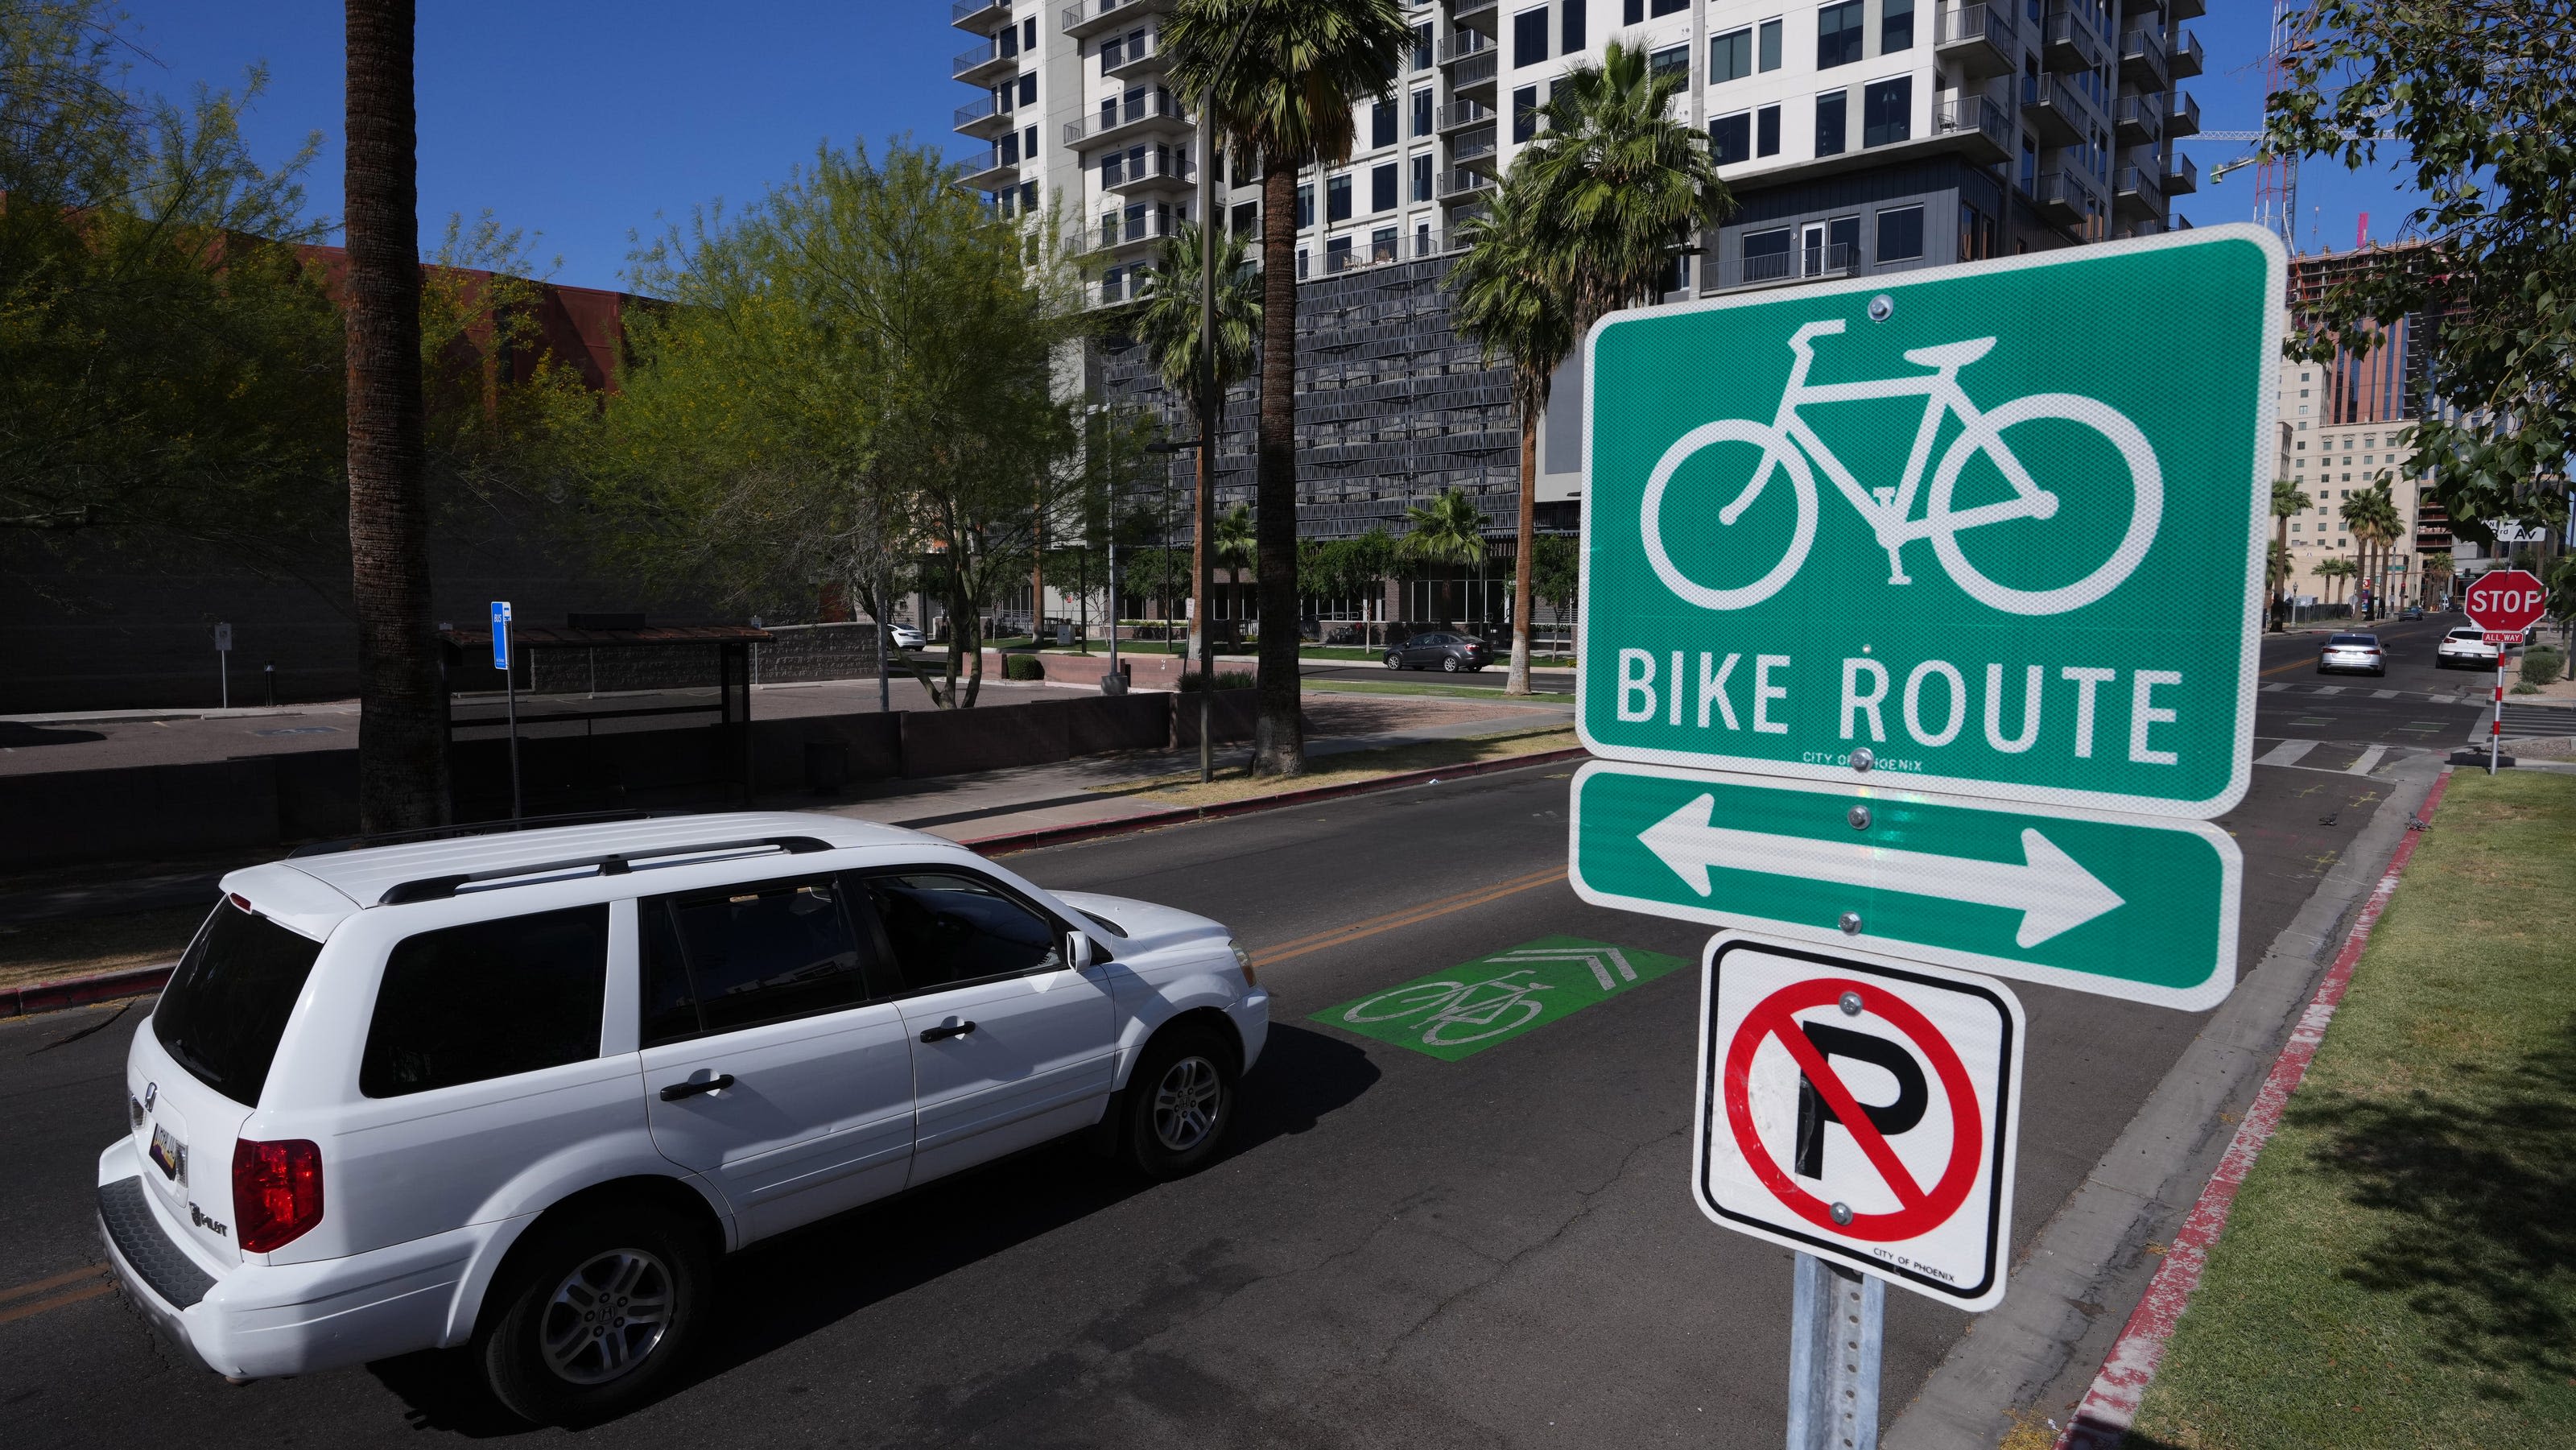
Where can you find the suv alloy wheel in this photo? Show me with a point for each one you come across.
(1395, 659)
(592, 1314)
(1179, 1103)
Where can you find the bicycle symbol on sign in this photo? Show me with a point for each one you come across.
(1788, 442)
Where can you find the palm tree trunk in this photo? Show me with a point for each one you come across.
(1279, 741)
(2281, 586)
(1517, 681)
(402, 745)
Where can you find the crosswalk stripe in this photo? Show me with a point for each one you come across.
(2288, 752)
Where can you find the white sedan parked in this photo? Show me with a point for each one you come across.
(2465, 647)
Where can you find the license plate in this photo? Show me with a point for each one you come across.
(168, 1154)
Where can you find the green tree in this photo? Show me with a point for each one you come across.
(2287, 499)
(2335, 569)
(1448, 531)
(1511, 293)
(2481, 96)
(853, 388)
(1285, 78)
(2372, 517)
(1167, 323)
(1236, 545)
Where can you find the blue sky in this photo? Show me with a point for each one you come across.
(582, 122)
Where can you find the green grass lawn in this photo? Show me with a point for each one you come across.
(1455, 692)
(2400, 1267)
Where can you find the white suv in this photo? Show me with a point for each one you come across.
(517, 1091)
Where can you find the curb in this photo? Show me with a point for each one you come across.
(2102, 1421)
(56, 995)
(1182, 815)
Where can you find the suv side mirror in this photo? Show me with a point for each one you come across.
(1077, 950)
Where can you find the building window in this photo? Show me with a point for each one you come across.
(1337, 198)
(1767, 256)
(1422, 46)
(1382, 122)
(1030, 32)
(1382, 188)
(1730, 56)
(1669, 7)
(1671, 61)
(1842, 234)
(1247, 219)
(1029, 89)
(1028, 196)
(1529, 37)
(1838, 34)
(1829, 124)
(1305, 205)
(1010, 152)
(1766, 131)
(1113, 169)
(1569, 26)
(1337, 254)
(1422, 177)
(1633, 13)
(1900, 234)
(1976, 234)
(1382, 245)
(2029, 165)
(1895, 26)
(1731, 138)
(1766, 46)
(1524, 113)
(1886, 111)
(1422, 112)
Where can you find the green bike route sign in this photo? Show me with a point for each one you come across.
(1487, 1002)
(2138, 908)
(1994, 530)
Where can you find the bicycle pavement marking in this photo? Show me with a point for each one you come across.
(1559, 975)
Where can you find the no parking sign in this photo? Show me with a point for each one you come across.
(1861, 1110)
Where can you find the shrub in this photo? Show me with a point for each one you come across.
(1023, 667)
(2541, 664)
(1225, 680)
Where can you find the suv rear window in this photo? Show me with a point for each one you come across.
(490, 999)
(229, 998)
(2354, 639)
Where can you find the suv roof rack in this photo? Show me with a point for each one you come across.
(474, 828)
(439, 888)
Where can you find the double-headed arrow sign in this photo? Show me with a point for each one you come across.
(2122, 906)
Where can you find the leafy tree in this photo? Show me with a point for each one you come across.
(1236, 547)
(1557, 571)
(2287, 499)
(853, 389)
(2481, 94)
(1167, 323)
(2336, 569)
(1285, 77)
(1448, 530)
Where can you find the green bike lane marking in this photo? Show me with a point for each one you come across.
(1465, 1009)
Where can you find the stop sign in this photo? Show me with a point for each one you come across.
(2505, 602)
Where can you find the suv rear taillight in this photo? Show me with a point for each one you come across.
(277, 1192)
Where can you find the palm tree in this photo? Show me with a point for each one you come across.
(2337, 569)
(1167, 323)
(1510, 295)
(2375, 523)
(402, 746)
(1235, 548)
(1617, 181)
(2287, 499)
(1284, 77)
(1447, 530)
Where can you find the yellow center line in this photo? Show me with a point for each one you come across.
(17, 1312)
(1411, 912)
(1302, 945)
(56, 1282)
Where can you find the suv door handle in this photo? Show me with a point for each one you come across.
(946, 1030)
(679, 1090)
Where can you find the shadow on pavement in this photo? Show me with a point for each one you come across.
(788, 1287)
(19, 735)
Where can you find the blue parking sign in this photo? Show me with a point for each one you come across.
(500, 634)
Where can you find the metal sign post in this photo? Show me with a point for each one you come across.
(510, 691)
(1837, 1327)
(224, 661)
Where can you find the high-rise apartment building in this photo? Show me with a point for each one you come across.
(1857, 136)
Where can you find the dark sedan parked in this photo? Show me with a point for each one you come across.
(1436, 651)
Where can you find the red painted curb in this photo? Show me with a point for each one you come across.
(1180, 815)
(2102, 1421)
(65, 992)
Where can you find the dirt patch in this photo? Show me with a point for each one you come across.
(1341, 714)
(83, 946)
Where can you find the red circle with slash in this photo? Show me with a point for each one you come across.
(1923, 1210)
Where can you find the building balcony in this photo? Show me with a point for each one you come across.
(1979, 126)
(1479, 149)
(1459, 115)
(1373, 254)
(987, 171)
(2135, 194)
(1118, 291)
(1459, 185)
(1805, 264)
(2053, 110)
(1436, 243)
(1475, 75)
(2181, 177)
(984, 119)
(2067, 42)
(2182, 10)
(2142, 60)
(1464, 43)
(1138, 57)
(1131, 232)
(1089, 19)
(2185, 59)
(1159, 171)
(1152, 113)
(984, 65)
(1484, 15)
(2138, 120)
(2066, 198)
(1980, 40)
(2184, 119)
(983, 17)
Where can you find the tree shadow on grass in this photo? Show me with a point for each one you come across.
(2480, 1181)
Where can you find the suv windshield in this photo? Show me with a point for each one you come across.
(228, 999)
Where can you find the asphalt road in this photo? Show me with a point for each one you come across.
(1396, 1250)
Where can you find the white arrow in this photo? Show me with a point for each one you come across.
(2050, 890)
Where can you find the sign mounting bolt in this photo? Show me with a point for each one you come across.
(1862, 760)
(1850, 1004)
(1851, 923)
(1860, 818)
(1843, 1214)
